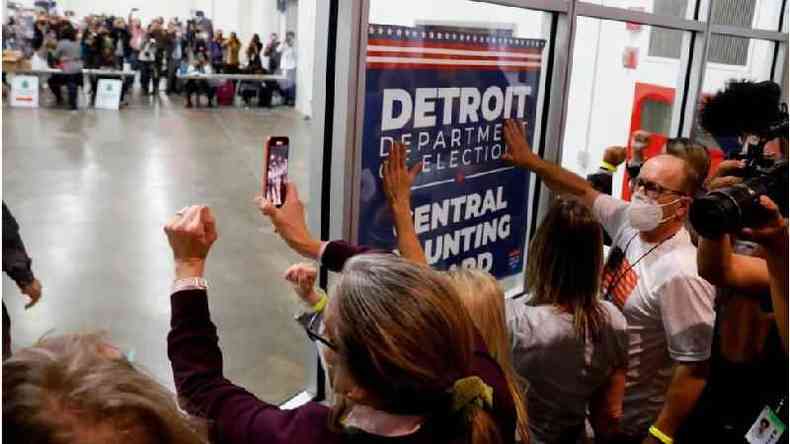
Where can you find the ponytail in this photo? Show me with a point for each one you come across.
(482, 428)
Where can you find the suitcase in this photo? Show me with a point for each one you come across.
(225, 93)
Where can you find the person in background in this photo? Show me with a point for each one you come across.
(146, 61)
(197, 86)
(668, 307)
(69, 57)
(402, 354)
(271, 54)
(254, 53)
(176, 52)
(122, 42)
(17, 265)
(287, 53)
(251, 88)
(91, 45)
(135, 42)
(122, 37)
(601, 179)
(163, 41)
(216, 51)
(201, 45)
(571, 347)
(640, 139)
(39, 31)
(106, 60)
(80, 388)
(231, 48)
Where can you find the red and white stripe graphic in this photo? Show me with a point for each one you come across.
(409, 48)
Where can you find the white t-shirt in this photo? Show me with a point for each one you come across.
(288, 58)
(562, 371)
(668, 307)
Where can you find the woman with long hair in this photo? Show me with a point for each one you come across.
(232, 47)
(484, 299)
(403, 356)
(568, 344)
(254, 53)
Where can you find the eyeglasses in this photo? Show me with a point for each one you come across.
(313, 329)
(653, 189)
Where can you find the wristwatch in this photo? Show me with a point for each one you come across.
(193, 283)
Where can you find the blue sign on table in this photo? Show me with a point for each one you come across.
(445, 94)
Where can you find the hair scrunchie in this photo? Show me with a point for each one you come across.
(471, 393)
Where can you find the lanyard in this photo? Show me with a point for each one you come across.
(620, 276)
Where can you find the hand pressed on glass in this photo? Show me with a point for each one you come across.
(519, 152)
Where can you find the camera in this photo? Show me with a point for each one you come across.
(753, 113)
(730, 209)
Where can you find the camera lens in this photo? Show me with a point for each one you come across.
(717, 213)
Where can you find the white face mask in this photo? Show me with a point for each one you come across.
(644, 214)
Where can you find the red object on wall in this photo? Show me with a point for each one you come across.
(630, 57)
(631, 26)
(647, 92)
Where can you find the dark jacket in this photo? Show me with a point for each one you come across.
(125, 38)
(16, 262)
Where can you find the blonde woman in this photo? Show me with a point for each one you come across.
(485, 301)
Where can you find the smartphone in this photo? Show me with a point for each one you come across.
(275, 169)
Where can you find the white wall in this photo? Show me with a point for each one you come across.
(528, 24)
(305, 46)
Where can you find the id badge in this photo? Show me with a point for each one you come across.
(767, 429)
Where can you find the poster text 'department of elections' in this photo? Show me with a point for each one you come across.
(445, 95)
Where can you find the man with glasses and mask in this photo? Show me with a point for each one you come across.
(669, 308)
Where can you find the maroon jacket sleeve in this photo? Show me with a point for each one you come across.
(338, 252)
(234, 414)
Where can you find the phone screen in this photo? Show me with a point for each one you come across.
(276, 170)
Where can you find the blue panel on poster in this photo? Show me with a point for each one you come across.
(445, 95)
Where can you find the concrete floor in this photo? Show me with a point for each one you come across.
(92, 189)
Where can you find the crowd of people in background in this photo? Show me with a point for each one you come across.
(159, 50)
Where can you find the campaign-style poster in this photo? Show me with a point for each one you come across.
(445, 94)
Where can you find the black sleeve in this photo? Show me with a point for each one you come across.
(16, 262)
(601, 182)
(633, 170)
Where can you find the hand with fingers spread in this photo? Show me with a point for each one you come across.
(191, 232)
(518, 151)
(303, 276)
(773, 235)
(398, 179)
(289, 222)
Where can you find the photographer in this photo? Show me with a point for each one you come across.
(743, 250)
